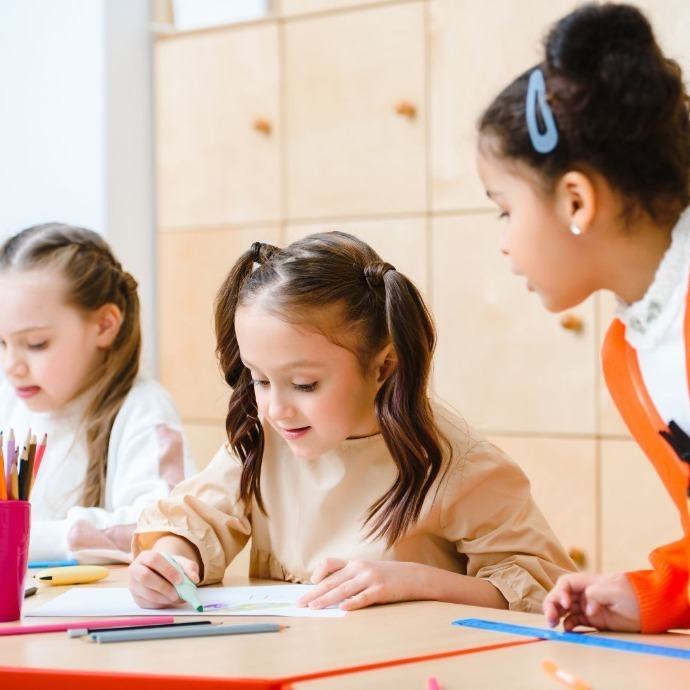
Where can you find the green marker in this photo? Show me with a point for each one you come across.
(186, 589)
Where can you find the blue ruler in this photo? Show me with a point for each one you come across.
(591, 639)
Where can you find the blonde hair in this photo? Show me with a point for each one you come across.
(94, 278)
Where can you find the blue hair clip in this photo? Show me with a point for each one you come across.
(543, 142)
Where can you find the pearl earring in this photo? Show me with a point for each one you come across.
(575, 229)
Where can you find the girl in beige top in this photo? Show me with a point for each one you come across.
(337, 465)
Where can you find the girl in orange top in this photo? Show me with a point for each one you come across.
(588, 157)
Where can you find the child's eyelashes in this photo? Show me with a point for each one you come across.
(29, 346)
(502, 215)
(306, 387)
(301, 387)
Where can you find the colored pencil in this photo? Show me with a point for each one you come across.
(30, 466)
(14, 478)
(52, 564)
(39, 454)
(202, 631)
(8, 462)
(105, 622)
(3, 474)
(82, 632)
(23, 477)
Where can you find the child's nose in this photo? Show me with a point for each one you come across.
(279, 406)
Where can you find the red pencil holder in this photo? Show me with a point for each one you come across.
(15, 526)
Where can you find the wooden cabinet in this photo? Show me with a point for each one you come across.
(191, 267)
(348, 149)
(636, 513)
(565, 484)
(361, 116)
(218, 127)
(475, 49)
(293, 8)
(502, 360)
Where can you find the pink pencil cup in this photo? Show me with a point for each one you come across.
(15, 523)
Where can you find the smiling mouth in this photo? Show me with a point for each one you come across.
(27, 391)
(295, 433)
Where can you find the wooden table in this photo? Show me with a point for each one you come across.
(396, 646)
(519, 668)
(310, 647)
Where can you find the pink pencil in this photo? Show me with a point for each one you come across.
(39, 454)
(85, 622)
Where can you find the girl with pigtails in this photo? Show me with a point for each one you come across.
(70, 344)
(587, 155)
(338, 465)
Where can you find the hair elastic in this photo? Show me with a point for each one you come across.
(543, 142)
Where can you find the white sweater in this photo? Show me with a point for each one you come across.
(147, 456)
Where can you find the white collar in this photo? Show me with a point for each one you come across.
(648, 320)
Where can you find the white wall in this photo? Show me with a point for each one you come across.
(76, 127)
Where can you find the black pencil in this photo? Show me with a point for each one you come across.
(23, 471)
(82, 632)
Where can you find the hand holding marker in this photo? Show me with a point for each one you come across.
(185, 589)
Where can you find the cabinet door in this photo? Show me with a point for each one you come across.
(217, 127)
(564, 478)
(476, 49)
(637, 514)
(505, 362)
(292, 8)
(349, 152)
(191, 267)
(399, 241)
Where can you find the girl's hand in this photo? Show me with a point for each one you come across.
(605, 602)
(357, 584)
(151, 579)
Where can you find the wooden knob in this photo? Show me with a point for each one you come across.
(406, 109)
(262, 125)
(578, 557)
(571, 322)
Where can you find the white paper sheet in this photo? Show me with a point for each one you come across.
(259, 600)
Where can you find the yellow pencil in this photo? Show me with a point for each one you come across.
(14, 477)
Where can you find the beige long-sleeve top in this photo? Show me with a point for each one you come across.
(479, 519)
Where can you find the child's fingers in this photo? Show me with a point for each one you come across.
(326, 567)
(336, 588)
(148, 588)
(553, 613)
(152, 572)
(150, 598)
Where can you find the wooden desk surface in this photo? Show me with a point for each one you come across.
(371, 648)
(310, 646)
(519, 668)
